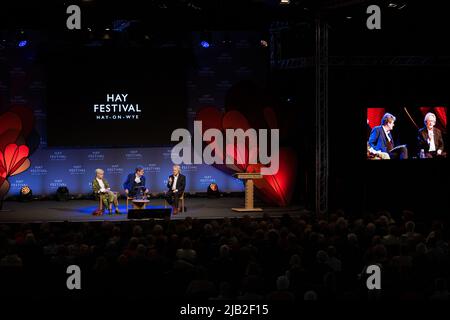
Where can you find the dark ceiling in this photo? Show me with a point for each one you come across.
(408, 27)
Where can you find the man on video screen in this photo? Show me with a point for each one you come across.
(381, 141)
(429, 140)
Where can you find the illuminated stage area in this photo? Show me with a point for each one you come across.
(81, 210)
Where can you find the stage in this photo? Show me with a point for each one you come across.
(81, 210)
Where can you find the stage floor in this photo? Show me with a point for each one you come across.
(81, 210)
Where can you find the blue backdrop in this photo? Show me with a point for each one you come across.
(75, 168)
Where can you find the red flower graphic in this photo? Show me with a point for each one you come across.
(13, 160)
(17, 136)
(275, 189)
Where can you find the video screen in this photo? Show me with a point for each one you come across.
(115, 96)
(407, 133)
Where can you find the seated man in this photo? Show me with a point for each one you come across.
(176, 185)
(381, 140)
(430, 138)
(135, 183)
(101, 189)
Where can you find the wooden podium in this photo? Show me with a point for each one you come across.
(248, 180)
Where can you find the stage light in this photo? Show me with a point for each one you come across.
(284, 2)
(204, 44)
(213, 190)
(21, 38)
(264, 43)
(120, 25)
(25, 193)
(62, 194)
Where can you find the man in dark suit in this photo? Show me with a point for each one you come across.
(135, 183)
(176, 185)
(430, 138)
(381, 141)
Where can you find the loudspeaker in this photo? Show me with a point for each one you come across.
(154, 213)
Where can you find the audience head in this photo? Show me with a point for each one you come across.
(282, 283)
(410, 226)
(310, 296)
(224, 251)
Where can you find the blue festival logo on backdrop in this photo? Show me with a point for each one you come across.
(115, 169)
(191, 85)
(56, 183)
(57, 156)
(189, 168)
(38, 170)
(206, 72)
(16, 184)
(205, 181)
(167, 154)
(96, 156)
(224, 58)
(243, 71)
(77, 169)
(133, 155)
(152, 168)
(206, 99)
(223, 85)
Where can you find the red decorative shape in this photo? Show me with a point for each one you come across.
(10, 128)
(235, 120)
(240, 160)
(210, 117)
(278, 188)
(3, 172)
(4, 187)
(12, 158)
(374, 116)
(425, 110)
(441, 113)
(24, 166)
(270, 117)
(15, 127)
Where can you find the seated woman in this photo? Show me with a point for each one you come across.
(135, 183)
(101, 190)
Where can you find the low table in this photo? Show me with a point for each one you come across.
(140, 204)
